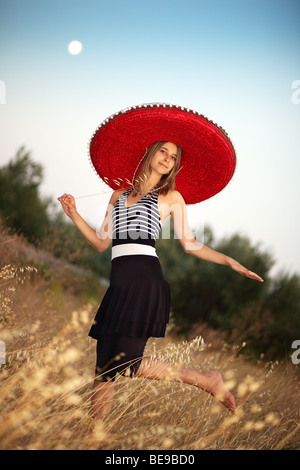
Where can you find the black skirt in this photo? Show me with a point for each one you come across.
(137, 302)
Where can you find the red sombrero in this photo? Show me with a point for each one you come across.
(208, 156)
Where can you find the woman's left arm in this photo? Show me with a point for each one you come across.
(191, 246)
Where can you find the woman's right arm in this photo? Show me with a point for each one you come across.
(99, 240)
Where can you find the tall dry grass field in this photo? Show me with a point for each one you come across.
(46, 383)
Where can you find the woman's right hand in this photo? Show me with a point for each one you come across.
(68, 204)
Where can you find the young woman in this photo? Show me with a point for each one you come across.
(137, 302)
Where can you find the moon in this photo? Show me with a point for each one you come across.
(75, 47)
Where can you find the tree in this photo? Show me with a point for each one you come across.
(206, 292)
(277, 325)
(20, 201)
(266, 315)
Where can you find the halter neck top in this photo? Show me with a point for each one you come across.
(138, 224)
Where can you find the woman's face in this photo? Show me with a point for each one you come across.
(164, 159)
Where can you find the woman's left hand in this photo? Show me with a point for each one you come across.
(244, 271)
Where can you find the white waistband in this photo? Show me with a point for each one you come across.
(132, 249)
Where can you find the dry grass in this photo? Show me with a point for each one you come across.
(46, 384)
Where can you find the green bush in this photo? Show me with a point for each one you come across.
(20, 202)
(265, 315)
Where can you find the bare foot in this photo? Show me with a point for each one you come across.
(219, 391)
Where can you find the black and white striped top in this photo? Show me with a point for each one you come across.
(139, 223)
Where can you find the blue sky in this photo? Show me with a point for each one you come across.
(235, 61)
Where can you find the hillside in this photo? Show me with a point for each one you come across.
(46, 311)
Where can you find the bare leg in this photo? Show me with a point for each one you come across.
(211, 382)
(102, 399)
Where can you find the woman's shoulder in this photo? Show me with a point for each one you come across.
(116, 194)
(174, 196)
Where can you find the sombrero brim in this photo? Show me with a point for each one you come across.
(208, 156)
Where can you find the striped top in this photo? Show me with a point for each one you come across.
(139, 223)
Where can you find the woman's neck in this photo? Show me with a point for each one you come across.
(152, 181)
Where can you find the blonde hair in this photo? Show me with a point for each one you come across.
(167, 180)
